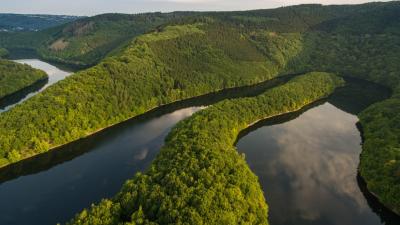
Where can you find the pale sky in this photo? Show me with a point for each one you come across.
(93, 7)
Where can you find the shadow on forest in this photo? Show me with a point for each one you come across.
(21, 94)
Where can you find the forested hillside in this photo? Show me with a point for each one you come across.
(199, 177)
(16, 76)
(188, 54)
(86, 41)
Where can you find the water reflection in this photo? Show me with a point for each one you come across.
(52, 187)
(308, 167)
(75, 184)
(55, 74)
(307, 163)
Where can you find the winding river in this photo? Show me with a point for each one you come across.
(306, 162)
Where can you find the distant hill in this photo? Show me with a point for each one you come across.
(84, 42)
(31, 22)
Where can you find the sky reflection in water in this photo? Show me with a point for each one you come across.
(308, 168)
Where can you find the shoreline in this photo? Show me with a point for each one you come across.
(22, 93)
(364, 181)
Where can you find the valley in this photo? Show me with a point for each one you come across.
(162, 99)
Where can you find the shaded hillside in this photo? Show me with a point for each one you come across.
(86, 41)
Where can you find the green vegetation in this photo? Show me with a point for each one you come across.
(187, 54)
(380, 159)
(3, 53)
(16, 76)
(179, 62)
(199, 177)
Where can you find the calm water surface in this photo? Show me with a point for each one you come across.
(307, 165)
(54, 73)
(55, 195)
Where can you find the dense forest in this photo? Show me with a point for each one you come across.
(179, 62)
(199, 177)
(16, 76)
(147, 60)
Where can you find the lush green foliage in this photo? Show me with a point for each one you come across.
(199, 177)
(3, 52)
(16, 76)
(205, 52)
(380, 159)
(27, 22)
(179, 62)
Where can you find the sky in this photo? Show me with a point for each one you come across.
(93, 7)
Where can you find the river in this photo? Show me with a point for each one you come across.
(54, 73)
(306, 161)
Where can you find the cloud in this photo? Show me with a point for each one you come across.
(308, 166)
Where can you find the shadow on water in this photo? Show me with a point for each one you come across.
(77, 148)
(352, 98)
(21, 94)
(385, 214)
(358, 94)
(278, 119)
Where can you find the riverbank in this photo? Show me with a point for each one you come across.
(15, 97)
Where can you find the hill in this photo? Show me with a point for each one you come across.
(86, 41)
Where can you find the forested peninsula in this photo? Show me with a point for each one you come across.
(15, 76)
(179, 62)
(190, 54)
(199, 177)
